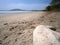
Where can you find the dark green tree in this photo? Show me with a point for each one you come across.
(54, 5)
(55, 2)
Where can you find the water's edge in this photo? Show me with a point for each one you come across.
(13, 12)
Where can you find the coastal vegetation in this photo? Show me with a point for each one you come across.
(54, 6)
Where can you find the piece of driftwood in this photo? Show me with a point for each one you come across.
(44, 35)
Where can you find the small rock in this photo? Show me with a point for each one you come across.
(0, 41)
(15, 40)
(11, 28)
(32, 27)
(16, 26)
(54, 29)
(19, 33)
(51, 21)
(5, 23)
(5, 37)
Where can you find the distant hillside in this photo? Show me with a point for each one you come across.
(21, 10)
(16, 10)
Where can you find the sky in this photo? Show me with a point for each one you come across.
(24, 4)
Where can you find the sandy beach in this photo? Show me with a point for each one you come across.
(17, 29)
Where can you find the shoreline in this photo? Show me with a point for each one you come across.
(21, 13)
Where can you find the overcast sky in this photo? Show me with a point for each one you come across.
(24, 4)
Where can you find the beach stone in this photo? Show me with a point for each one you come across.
(54, 29)
(43, 35)
(0, 41)
(5, 23)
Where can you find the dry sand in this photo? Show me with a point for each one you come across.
(16, 29)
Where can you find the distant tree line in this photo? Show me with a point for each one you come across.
(54, 5)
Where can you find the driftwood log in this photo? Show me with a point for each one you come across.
(45, 35)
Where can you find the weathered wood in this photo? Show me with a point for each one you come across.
(43, 35)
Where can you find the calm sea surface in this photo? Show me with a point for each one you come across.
(7, 12)
(2, 13)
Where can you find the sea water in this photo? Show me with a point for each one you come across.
(13, 12)
(7, 12)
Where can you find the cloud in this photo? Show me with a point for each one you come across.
(27, 6)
